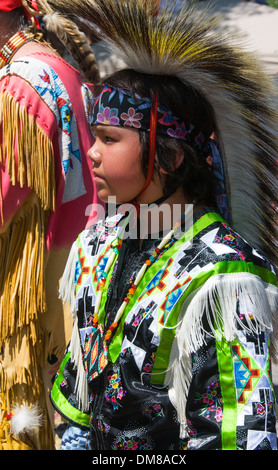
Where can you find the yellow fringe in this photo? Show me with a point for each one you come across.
(23, 302)
(22, 283)
(22, 269)
(36, 166)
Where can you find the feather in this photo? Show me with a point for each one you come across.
(25, 419)
(185, 43)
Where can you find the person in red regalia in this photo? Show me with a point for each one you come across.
(47, 196)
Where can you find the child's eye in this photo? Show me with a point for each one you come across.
(108, 139)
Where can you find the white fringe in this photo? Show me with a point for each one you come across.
(217, 301)
(66, 289)
(81, 385)
(178, 392)
(67, 295)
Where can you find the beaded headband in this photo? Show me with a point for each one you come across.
(116, 107)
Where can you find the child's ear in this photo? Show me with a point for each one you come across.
(176, 163)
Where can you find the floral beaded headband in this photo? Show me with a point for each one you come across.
(116, 107)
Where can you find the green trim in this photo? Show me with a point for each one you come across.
(167, 336)
(227, 384)
(200, 224)
(61, 403)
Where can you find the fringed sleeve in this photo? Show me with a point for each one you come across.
(22, 268)
(26, 151)
(27, 196)
(221, 308)
(26, 161)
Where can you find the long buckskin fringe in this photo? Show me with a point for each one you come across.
(22, 302)
(35, 167)
(22, 283)
(22, 247)
(22, 277)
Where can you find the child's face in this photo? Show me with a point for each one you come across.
(116, 157)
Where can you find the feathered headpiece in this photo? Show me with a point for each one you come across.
(185, 43)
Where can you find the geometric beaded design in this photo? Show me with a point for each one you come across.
(12, 44)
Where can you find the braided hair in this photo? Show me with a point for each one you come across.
(70, 35)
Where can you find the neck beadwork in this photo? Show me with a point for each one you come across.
(165, 243)
(13, 44)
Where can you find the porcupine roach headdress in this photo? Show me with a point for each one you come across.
(184, 43)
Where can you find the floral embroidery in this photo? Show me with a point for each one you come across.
(230, 239)
(108, 116)
(261, 408)
(103, 427)
(148, 367)
(132, 443)
(132, 118)
(192, 432)
(176, 133)
(182, 445)
(212, 401)
(143, 313)
(115, 391)
(154, 411)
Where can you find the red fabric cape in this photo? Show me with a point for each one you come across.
(8, 5)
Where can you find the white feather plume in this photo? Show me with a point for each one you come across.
(25, 419)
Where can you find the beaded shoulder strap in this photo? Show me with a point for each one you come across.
(13, 44)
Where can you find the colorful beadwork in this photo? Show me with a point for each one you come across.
(165, 243)
(12, 44)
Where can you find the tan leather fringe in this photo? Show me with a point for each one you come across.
(22, 284)
(22, 292)
(36, 166)
(22, 272)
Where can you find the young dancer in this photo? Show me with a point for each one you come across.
(173, 325)
(44, 179)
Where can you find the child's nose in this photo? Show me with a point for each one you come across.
(93, 154)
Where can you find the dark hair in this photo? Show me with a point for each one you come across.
(193, 174)
(16, 20)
